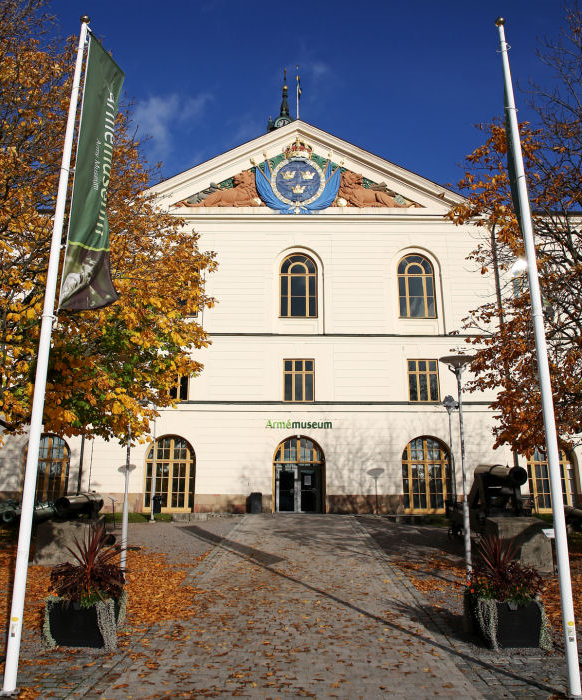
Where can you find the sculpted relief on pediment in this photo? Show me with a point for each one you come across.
(271, 184)
(358, 192)
(238, 191)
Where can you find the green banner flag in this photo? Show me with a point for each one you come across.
(86, 280)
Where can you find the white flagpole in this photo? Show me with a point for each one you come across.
(28, 493)
(545, 387)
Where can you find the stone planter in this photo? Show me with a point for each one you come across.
(68, 624)
(505, 625)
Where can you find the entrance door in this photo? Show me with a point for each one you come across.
(286, 493)
(310, 490)
(298, 476)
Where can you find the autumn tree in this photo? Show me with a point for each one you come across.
(504, 338)
(105, 365)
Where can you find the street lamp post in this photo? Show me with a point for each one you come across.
(451, 405)
(125, 469)
(375, 472)
(456, 363)
(154, 474)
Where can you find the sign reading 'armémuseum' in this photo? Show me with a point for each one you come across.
(290, 425)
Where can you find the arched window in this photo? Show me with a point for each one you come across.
(416, 287)
(539, 481)
(52, 478)
(298, 287)
(426, 475)
(175, 474)
(299, 468)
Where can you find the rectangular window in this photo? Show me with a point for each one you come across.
(298, 380)
(423, 380)
(180, 389)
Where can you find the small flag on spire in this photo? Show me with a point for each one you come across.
(298, 90)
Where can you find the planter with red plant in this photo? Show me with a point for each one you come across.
(90, 598)
(502, 601)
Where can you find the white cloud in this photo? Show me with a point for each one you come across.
(158, 115)
(319, 70)
(248, 128)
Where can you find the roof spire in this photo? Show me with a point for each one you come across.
(284, 103)
(284, 116)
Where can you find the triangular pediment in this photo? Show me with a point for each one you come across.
(363, 181)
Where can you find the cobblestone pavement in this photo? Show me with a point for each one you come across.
(525, 673)
(303, 605)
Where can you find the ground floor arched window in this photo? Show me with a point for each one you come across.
(299, 476)
(54, 459)
(426, 475)
(539, 481)
(175, 474)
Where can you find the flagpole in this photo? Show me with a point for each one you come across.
(29, 489)
(564, 577)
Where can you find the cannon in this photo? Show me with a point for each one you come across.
(82, 504)
(88, 504)
(573, 518)
(10, 511)
(496, 492)
(496, 507)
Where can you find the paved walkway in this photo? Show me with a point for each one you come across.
(306, 606)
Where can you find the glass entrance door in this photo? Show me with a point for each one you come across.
(310, 490)
(299, 473)
(286, 494)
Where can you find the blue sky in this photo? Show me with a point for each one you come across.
(405, 81)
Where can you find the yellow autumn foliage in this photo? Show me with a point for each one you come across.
(104, 365)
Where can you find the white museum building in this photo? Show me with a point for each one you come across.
(340, 284)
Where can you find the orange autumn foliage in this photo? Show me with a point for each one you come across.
(501, 330)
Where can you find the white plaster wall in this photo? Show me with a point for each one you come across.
(359, 343)
(357, 259)
(234, 448)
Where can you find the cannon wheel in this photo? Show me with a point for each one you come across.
(455, 532)
(8, 517)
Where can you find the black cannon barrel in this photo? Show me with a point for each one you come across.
(514, 476)
(11, 512)
(89, 503)
(573, 517)
(44, 511)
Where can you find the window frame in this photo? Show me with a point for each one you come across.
(414, 375)
(406, 277)
(50, 489)
(538, 475)
(446, 476)
(181, 388)
(286, 279)
(173, 463)
(294, 372)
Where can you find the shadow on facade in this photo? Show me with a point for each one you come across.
(348, 487)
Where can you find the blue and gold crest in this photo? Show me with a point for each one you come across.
(297, 185)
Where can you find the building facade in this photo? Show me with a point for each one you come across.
(340, 285)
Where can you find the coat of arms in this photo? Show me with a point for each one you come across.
(297, 185)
